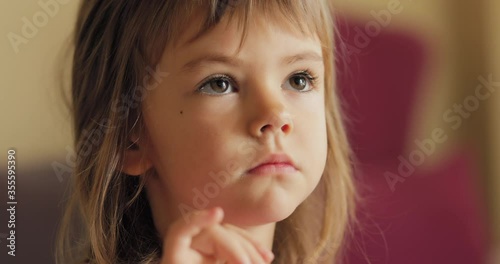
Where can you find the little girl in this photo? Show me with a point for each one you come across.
(206, 131)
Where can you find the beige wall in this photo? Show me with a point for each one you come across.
(32, 114)
(420, 15)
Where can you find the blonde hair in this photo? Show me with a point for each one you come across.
(107, 217)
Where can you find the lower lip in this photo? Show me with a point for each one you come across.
(275, 168)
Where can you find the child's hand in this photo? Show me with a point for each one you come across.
(205, 240)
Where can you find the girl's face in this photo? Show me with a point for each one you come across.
(222, 109)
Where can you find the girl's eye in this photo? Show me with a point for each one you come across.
(302, 81)
(217, 85)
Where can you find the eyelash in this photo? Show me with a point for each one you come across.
(307, 73)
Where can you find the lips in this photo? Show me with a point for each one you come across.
(278, 163)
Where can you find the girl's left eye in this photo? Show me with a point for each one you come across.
(217, 85)
(302, 81)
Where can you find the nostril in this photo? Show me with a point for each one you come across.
(264, 128)
(285, 128)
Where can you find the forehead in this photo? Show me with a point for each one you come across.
(268, 43)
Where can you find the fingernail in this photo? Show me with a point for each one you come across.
(246, 261)
(206, 212)
(270, 255)
(216, 210)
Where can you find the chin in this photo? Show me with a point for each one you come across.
(264, 211)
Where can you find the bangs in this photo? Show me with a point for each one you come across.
(306, 17)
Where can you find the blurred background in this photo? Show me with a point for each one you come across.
(419, 82)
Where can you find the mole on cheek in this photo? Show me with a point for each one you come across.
(181, 112)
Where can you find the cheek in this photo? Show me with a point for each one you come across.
(310, 140)
(192, 146)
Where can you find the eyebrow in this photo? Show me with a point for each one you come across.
(224, 59)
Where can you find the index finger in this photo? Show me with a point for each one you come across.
(184, 231)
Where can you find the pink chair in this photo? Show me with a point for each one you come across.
(435, 216)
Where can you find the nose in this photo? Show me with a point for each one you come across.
(270, 115)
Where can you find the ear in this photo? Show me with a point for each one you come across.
(135, 160)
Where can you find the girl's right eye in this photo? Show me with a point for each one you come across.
(217, 85)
